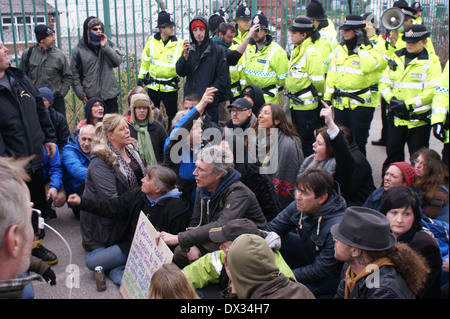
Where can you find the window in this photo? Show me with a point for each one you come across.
(22, 27)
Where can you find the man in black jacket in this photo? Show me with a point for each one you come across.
(310, 250)
(204, 64)
(25, 126)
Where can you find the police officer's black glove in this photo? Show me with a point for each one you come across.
(140, 82)
(439, 132)
(398, 107)
(49, 276)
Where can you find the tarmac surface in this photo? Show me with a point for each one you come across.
(76, 281)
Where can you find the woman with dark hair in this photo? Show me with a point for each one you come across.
(402, 208)
(432, 180)
(278, 149)
(304, 81)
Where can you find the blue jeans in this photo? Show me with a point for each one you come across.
(111, 258)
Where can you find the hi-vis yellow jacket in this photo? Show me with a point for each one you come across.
(326, 44)
(304, 71)
(236, 73)
(415, 84)
(352, 74)
(159, 61)
(265, 68)
(440, 105)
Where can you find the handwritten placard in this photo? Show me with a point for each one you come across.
(144, 259)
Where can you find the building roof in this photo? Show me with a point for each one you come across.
(27, 7)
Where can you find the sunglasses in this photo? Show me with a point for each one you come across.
(96, 29)
(37, 221)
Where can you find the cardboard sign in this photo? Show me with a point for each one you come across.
(144, 259)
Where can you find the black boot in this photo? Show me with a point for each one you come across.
(44, 254)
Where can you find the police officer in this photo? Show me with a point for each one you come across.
(327, 42)
(158, 60)
(408, 85)
(304, 81)
(418, 7)
(243, 19)
(439, 112)
(265, 61)
(350, 81)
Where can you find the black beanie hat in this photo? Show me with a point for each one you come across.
(42, 31)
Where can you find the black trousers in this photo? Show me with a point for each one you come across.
(306, 122)
(36, 186)
(358, 121)
(111, 106)
(398, 137)
(59, 104)
(170, 101)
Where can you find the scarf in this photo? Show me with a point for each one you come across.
(329, 165)
(219, 41)
(131, 177)
(145, 143)
(351, 279)
(351, 45)
(95, 39)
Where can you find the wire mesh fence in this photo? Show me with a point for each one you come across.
(129, 23)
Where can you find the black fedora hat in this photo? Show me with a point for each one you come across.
(364, 228)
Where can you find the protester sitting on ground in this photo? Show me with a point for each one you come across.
(220, 197)
(115, 168)
(398, 174)
(309, 251)
(183, 144)
(254, 274)
(401, 207)
(76, 157)
(432, 180)
(208, 270)
(93, 112)
(150, 134)
(331, 152)
(54, 190)
(157, 198)
(168, 282)
(282, 163)
(241, 115)
(363, 240)
(58, 120)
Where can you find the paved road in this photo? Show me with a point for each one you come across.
(84, 287)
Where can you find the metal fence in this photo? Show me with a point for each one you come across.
(129, 23)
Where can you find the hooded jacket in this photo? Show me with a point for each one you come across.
(255, 274)
(25, 124)
(205, 67)
(314, 231)
(92, 69)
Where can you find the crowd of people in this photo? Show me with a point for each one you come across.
(255, 199)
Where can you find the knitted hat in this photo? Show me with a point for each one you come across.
(42, 31)
(408, 171)
(197, 23)
(315, 11)
(47, 93)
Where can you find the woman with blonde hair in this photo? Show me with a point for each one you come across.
(115, 168)
(168, 282)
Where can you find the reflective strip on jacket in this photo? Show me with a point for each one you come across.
(440, 105)
(414, 84)
(303, 71)
(159, 61)
(352, 73)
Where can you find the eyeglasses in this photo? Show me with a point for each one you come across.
(238, 111)
(96, 29)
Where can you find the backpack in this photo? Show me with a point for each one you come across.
(439, 230)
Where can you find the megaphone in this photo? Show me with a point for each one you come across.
(392, 19)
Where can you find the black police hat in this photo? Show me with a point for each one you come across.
(315, 11)
(243, 13)
(415, 33)
(165, 19)
(261, 19)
